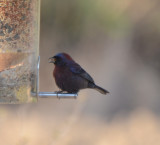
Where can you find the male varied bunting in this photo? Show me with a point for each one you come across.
(70, 76)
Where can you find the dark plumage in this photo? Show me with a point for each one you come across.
(70, 76)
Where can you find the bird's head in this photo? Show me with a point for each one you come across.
(60, 59)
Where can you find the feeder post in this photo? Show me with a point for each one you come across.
(19, 50)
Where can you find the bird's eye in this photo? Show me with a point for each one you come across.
(58, 58)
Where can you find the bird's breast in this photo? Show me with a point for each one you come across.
(61, 72)
(62, 76)
(68, 81)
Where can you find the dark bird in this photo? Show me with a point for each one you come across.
(70, 76)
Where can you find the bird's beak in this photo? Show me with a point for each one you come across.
(52, 60)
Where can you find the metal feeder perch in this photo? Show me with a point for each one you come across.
(49, 94)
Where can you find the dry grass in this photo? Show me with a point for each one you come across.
(138, 128)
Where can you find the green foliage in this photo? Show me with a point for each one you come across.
(72, 17)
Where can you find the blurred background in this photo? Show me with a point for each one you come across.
(118, 43)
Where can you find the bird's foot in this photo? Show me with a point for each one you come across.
(59, 92)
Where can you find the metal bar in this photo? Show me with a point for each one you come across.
(37, 85)
(55, 94)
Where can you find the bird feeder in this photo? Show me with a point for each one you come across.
(19, 52)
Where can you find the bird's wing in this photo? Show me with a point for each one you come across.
(76, 69)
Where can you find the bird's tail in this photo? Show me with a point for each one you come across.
(101, 90)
